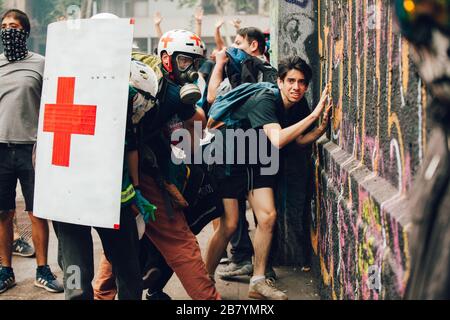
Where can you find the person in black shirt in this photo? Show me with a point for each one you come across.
(268, 112)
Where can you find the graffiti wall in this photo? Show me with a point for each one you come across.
(376, 143)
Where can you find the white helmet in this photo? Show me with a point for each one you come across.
(181, 41)
(104, 15)
(143, 78)
(145, 81)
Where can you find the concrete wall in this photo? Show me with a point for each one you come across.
(293, 28)
(293, 31)
(366, 166)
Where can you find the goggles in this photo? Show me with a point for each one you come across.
(184, 62)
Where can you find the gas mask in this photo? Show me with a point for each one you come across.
(185, 73)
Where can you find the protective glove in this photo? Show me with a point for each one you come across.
(146, 209)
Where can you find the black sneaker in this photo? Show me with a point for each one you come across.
(22, 248)
(7, 279)
(150, 278)
(45, 279)
(158, 295)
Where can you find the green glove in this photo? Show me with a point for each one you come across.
(145, 208)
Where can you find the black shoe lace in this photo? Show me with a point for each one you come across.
(47, 274)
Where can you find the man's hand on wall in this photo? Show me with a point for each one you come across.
(326, 116)
(324, 100)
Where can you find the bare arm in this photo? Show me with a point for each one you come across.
(310, 137)
(196, 135)
(281, 137)
(157, 21)
(220, 43)
(216, 76)
(198, 21)
(236, 23)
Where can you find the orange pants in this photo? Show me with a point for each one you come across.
(177, 244)
(105, 285)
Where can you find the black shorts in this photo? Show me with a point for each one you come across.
(238, 186)
(15, 163)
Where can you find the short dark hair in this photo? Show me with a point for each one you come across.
(20, 16)
(297, 63)
(254, 34)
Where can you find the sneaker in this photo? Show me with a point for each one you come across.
(224, 260)
(158, 295)
(7, 279)
(22, 248)
(46, 279)
(235, 270)
(265, 290)
(306, 268)
(151, 277)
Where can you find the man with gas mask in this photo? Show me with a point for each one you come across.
(173, 247)
(181, 53)
(426, 25)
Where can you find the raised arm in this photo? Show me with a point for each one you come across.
(157, 19)
(198, 21)
(281, 137)
(310, 137)
(220, 43)
(217, 75)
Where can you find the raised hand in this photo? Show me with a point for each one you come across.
(220, 23)
(236, 23)
(157, 18)
(199, 14)
(323, 102)
(221, 57)
(326, 115)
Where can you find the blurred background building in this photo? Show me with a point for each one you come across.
(176, 14)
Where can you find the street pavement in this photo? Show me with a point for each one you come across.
(297, 284)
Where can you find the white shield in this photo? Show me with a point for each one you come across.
(82, 121)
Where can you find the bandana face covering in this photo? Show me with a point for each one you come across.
(15, 43)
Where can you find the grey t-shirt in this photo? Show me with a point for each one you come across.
(20, 97)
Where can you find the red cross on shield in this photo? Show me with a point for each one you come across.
(65, 119)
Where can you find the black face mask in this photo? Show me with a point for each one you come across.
(15, 43)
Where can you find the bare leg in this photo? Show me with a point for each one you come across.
(216, 223)
(6, 237)
(263, 205)
(39, 233)
(16, 229)
(222, 235)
